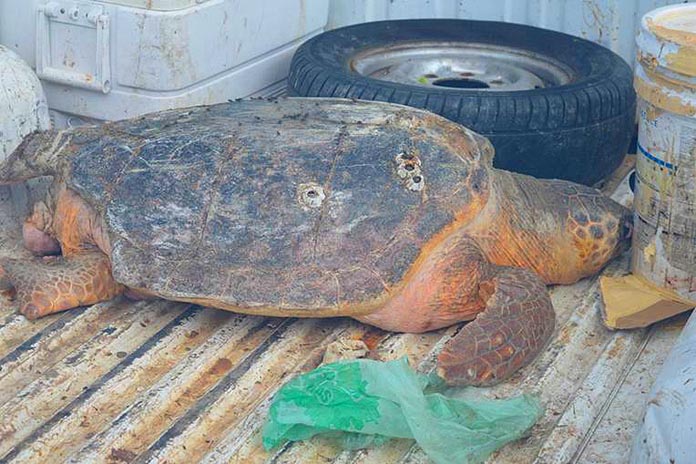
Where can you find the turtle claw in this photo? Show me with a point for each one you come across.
(515, 326)
(30, 311)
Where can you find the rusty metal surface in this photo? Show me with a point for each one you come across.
(167, 382)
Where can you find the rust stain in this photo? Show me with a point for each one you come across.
(146, 429)
(648, 61)
(564, 334)
(373, 337)
(122, 455)
(617, 348)
(221, 366)
(251, 390)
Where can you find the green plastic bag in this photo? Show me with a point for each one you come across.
(364, 403)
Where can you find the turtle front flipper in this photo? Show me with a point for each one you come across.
(51, 284)
(508, 334)
(511, 314)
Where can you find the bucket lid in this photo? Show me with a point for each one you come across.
(667, 40)
(675, 23)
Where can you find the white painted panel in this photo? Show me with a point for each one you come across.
(172, 51)
(113, 59)
(612, 23)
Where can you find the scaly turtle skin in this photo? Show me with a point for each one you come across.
(312, 208)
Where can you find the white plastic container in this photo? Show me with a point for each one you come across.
(121, 58)
(664, 240)
(666, 433)
(23, 110)
(23, 106)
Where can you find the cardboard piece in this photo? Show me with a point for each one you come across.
(632, 302)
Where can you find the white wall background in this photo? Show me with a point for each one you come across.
(612, 23)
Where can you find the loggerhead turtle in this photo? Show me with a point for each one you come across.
(312, 208)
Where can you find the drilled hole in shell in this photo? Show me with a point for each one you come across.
(311, 195)
(408, 170)
(415, 183)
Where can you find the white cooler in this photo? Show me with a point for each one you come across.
(115, 59)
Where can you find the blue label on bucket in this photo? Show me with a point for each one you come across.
(654, 158)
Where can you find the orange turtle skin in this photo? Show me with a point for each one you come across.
(469, 243)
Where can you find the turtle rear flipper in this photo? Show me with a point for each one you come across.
(507, 335)
(48, 285)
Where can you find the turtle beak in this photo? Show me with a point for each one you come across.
(624, 233)
(627, 227)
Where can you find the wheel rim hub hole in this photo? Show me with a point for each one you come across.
(461, 83)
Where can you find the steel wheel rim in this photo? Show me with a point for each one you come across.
(461, 67)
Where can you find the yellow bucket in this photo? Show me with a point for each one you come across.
(664, 240)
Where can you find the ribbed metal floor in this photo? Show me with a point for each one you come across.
(176, 383)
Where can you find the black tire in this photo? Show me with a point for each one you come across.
(578, 131)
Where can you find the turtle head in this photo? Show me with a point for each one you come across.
(561, 230)
(34, 157)
(600, 230)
